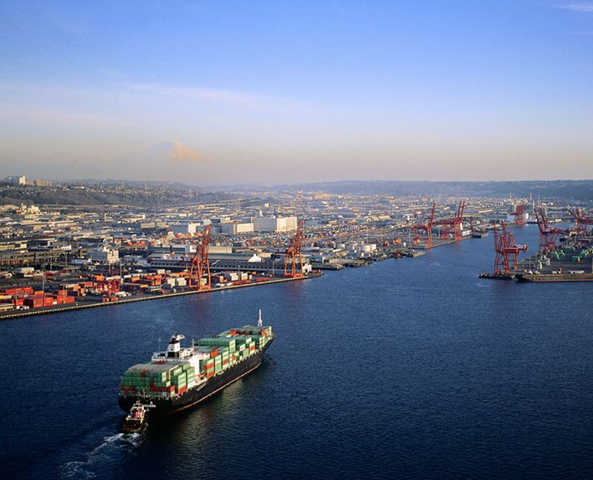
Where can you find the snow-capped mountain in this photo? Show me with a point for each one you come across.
(171, 151)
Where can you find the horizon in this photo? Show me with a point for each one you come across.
(222, 186)
(291, 94)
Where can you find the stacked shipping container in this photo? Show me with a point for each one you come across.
(160, 379)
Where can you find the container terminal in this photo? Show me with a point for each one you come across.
(193, 258)
(56, 258)
(564, 254)
(198, 276)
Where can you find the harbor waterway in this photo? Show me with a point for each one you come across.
(408, 368)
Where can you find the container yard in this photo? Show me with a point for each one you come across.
(101, 290)
(12, 307)
(571, 262)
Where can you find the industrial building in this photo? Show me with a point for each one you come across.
(275, 224)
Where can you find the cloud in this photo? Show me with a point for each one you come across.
(577, 7)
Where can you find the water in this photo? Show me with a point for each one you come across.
(410, 368)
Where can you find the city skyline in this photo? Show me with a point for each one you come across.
(285, 92)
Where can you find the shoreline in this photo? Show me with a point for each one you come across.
(77, 306)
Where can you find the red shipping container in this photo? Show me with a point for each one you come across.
(33, 302)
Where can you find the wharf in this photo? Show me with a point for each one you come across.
(565, 264)
(352, 263)
(555, 277)
(327, 266)
(143, 298)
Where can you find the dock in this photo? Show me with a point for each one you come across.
(146, 297)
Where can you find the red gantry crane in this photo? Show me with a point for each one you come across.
(519, 214)
(424, 228)
(293, 260)
(452, 224)
(507, 251)
(199, 263)
(582, 220)
(548, 234)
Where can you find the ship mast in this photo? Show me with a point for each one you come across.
(260, 323)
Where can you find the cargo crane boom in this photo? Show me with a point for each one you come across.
(293, 260)
(582, 221)
(426, 228)
(199, 263)
(519, 214)
(507, 251)
(548, 235)
(453, 224)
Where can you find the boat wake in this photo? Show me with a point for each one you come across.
(109, 452)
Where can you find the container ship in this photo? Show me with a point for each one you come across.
(180, 378)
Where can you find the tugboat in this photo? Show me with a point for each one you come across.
(135, 422)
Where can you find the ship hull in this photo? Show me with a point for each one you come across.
(193, 397)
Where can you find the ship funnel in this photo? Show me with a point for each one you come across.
(176, 338)
(174, 346)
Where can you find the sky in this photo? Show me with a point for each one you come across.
(297, 91)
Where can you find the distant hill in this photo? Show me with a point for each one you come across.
(95, 193)
(560, 190)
